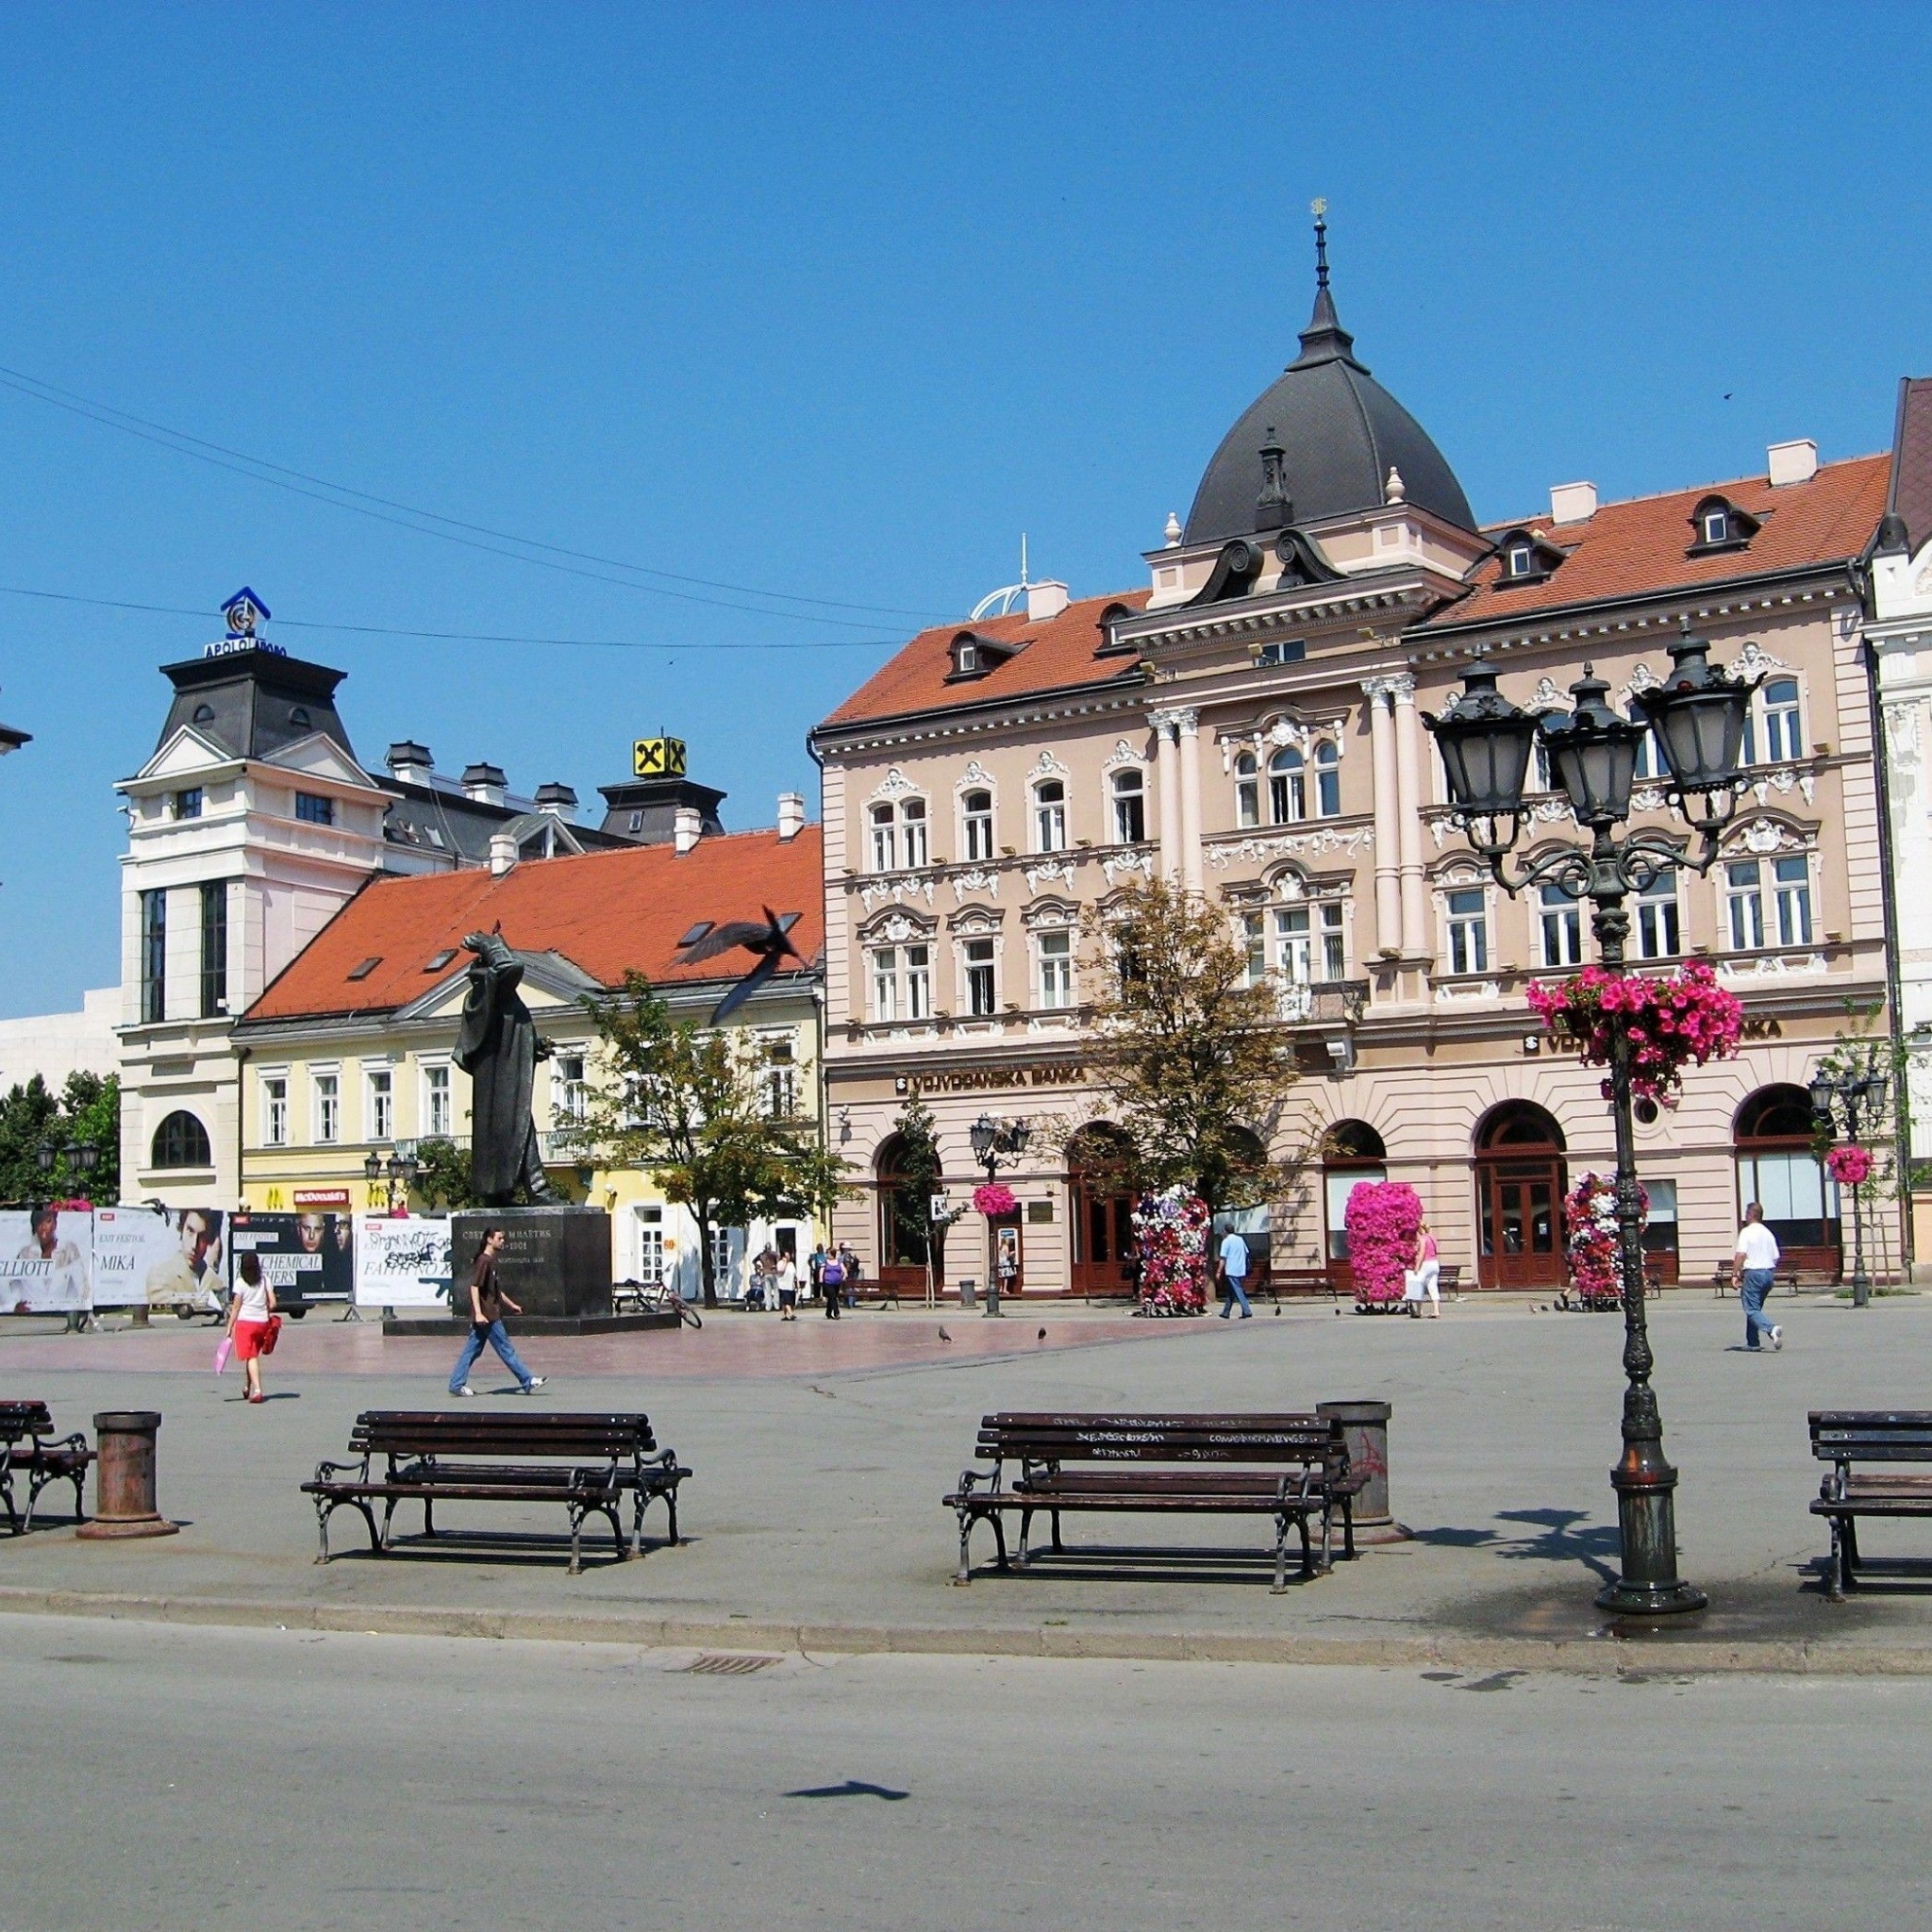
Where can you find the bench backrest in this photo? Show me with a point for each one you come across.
(431, 1432)
(18, 1419)
(1050, 1437)
(1871, 1435)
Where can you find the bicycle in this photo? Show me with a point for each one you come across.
(653, 1298)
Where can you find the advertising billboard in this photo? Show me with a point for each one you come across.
(402, 1261)
(45, 1261)
(174, 1258)
(306, 1257)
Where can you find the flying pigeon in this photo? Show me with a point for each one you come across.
(769, 941)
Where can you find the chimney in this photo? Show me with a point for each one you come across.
(559, 801)
(1573, 502)
(790, 815)
(1792, 463)
(502, 854)
(485, 784)
(410, 761)
(1045, 600)
(687, 828)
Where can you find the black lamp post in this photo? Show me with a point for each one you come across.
(1696, 717)
(399, 1171)
(991, 1138)
(1856, 1096)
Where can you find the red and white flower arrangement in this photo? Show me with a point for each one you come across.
(1673, 1021)
(995, 1200)
(1589, 1220)
(1849, 1164)
(1170, 1231)
(1382, 1217)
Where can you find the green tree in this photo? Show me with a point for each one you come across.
(87, 1113)
(691, 1106)
(918, 1175)
(443, 1176)
(1194, 1060)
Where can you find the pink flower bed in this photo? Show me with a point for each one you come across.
(1382, 1220)
(1674, 1020)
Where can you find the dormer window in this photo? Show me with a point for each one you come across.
(1527, 557)
(973, 655)
(1717, 523)
(1521, 562)
(966, 658)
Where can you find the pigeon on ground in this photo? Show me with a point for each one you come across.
(1043, 1335)
(769, 941)
(943, 1336)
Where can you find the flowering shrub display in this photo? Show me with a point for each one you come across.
(1849, 1165)
(1171, 1230)
(1382, 1219)
(1589, 1222)
(1674, 1020)
(994, 1198)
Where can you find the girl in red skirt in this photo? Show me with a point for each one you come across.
(249, 1311)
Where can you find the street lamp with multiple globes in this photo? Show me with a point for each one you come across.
(1696, 717)
(1853, 1096)
(399, 1171)
(991, 1138)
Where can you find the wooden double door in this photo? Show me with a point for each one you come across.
(1519, 1213)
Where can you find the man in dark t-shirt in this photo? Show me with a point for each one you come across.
(487, 1304)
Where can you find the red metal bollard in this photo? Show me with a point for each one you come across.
(125, 1476)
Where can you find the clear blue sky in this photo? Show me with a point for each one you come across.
(837, 303)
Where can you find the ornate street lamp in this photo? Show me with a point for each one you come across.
(991, 1138)
(1857, 1096)
(1696, 717)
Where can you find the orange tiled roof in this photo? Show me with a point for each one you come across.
(1638, 547)
(1058, 653)
(605, 911)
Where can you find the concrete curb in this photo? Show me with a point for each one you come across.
(1604, 1656)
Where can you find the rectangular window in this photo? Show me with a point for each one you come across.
(274, 1111)
(328, 1108)
(1791, 879)
(315, 810)
(1247, 793)
(919, 982)
(1288, 789)
(214, 948)
(978, 816)
(1334, 944)
(1328, 781)
(187, 804)
(885, 839)
(884, 984)
(436, 1104)
(1050, 816)
(1129, 809)
(380, 1100)
(1659, 934)
(1295, 945)
(154, 956)
(1559, 925)
(979, 978)
(1469, 931)
(913, 813)
(1781, 741)
(572, 1094)
(1255, 939)
(1744, 906)
(651, 1246)
(721, 1255)
(781, 1092)
(1055, 969)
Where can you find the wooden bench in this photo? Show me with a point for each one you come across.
(29, 1447)
(1290, 1467)
(1845, 1435)
(586, 1463)
(1299, 1281)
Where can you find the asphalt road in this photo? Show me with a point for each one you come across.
(179, 1778)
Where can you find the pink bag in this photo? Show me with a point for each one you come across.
(221, 1351)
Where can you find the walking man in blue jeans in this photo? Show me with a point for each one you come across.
(487, 1304)
(1754, 1267)
(1233, 1274)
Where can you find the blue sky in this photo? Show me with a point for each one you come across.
(836, 304)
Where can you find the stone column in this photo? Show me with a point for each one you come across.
(1167, 783)
(1189, 748)
(1388, 862)
(1408, 807)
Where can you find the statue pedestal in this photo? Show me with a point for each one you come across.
(556, 1266)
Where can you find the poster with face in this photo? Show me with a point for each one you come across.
(175, 1257)
(305, 1258)
(402, 1261)
(45, 1256)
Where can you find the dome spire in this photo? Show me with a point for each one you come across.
(1324, 340)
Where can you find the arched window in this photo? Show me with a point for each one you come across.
(1521, 1179)
(976, 808)
(912, 832)
(181, 1141)
(1288, 787)
(1328, 780)
(1050, 816)
(1352, 1153)
(1129, 807)
(1783, 740)
(1247, 790)
(885, 839)
(1777, 1169)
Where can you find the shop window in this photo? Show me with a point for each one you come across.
(1778, 1169)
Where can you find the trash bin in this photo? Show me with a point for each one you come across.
(1365, 1426)
(969, 1291)
(124, 1477)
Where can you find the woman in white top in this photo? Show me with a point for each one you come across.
(787, 1288)
(249, 1310)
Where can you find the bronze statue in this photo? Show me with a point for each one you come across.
(499, 1048)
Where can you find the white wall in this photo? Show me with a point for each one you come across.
(56, 1044)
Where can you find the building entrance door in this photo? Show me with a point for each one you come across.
(1103, 1217)
(1520, 1184)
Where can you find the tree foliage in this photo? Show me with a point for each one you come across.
(690, 1106)
(1194, 1061)
(919, 1173)
(443, 1176)
(86, 1111)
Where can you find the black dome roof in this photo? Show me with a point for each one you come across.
(1339, 433)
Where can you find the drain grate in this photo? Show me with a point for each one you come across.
(728, 1664)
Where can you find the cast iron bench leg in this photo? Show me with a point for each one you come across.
(577, 1537)
(1837, 1575)
(1056, 1543)
(1025, 1529)
(1281, 1552)
(964, 1512)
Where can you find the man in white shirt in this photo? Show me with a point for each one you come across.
(1754, 1267)
(1233, 1274)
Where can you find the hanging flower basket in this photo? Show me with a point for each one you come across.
(1170, 1231)
(1589, 1220)
(994, 1199)
(1382, 1220)
(1673, 1021)
(1849, 1164)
